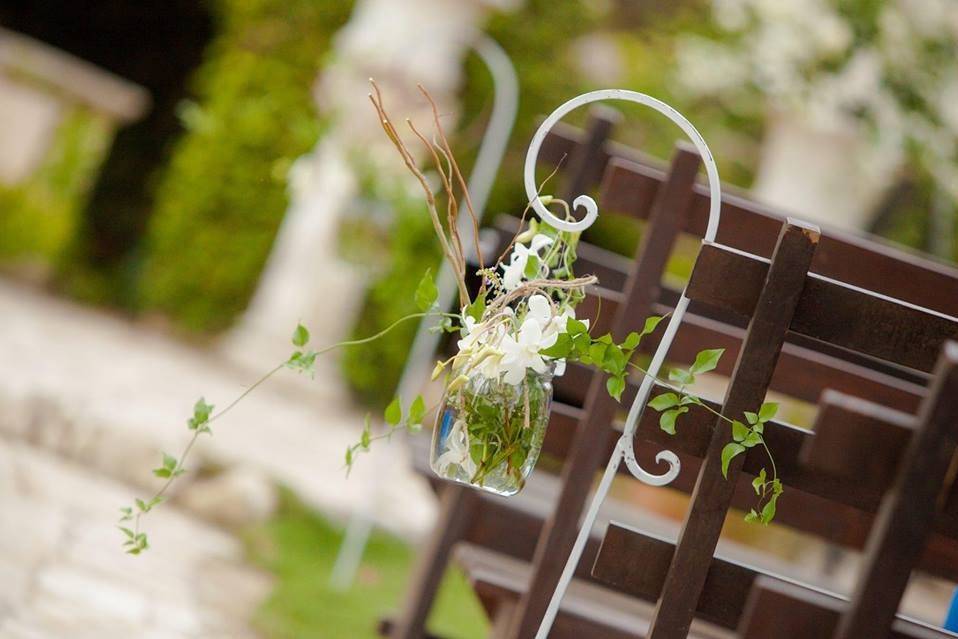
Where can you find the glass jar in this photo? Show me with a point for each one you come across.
(488, 433)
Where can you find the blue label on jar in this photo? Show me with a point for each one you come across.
(448, 419)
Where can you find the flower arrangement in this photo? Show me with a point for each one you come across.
(516, 332)
(887, 69)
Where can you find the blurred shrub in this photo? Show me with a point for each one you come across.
(221, 200)
(38, 217)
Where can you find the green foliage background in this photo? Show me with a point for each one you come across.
(38, 217)
(220, 202)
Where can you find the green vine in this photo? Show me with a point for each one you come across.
(303, 361)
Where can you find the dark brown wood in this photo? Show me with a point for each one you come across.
(817, 503)
(641, 292)
(867, 262)
(828, 310)
(636, 563)
(843, 426)
(778, 609)
(908, 509)
(455, 514)
(499, 581)
(712, 496)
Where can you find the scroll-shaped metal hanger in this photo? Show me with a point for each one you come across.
(624, 447)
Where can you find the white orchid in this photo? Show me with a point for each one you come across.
(457, 451)
(514, 272)
(552, 323)
(522, 352)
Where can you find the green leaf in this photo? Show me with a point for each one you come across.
(615, 360)
(759, 482)
(691, 399)
(201, 414)
(667, 419)
(739, 431)
(575, 327)
(532, 267)
(597, 352)
(706, 360)
(349, 457)
(768, 511)
(417, 411)
(169, 461)
(141, 505)
(631, 341)
(615, 386)
(303, 362)
(664, 401)
(560, 349)
(477, 308)
(767, 411)
(163, 472)
(681, 376)
(777, 488)
(751, 418)
(300, 336)
(650, 325)
(582, 342)
(753, 439)
(126, 531)
(393, 413)
(426, 292)
(366, 437)
(752, 516)
(730, 451)
(759, 428)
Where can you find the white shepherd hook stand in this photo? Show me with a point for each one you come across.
(624, 448)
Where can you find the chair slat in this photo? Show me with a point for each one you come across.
(843, 426)
(784, 610)
(865, 262)
(727, 593)
(828, 310)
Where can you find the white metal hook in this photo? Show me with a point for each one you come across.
(624, 448)
(586, 202)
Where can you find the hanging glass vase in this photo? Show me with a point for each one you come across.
(488, 433)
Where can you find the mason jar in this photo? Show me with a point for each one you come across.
(488, 433)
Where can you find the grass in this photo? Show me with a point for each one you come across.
(298, 546)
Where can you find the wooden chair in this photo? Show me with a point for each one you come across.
(512, 527)
(781, 295)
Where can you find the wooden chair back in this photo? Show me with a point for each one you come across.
(580, 432)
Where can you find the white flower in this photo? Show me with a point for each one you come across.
(457, 451)
(513, 272)
(522, 353)
(552, 324)
(488, 362)
(470, 336)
